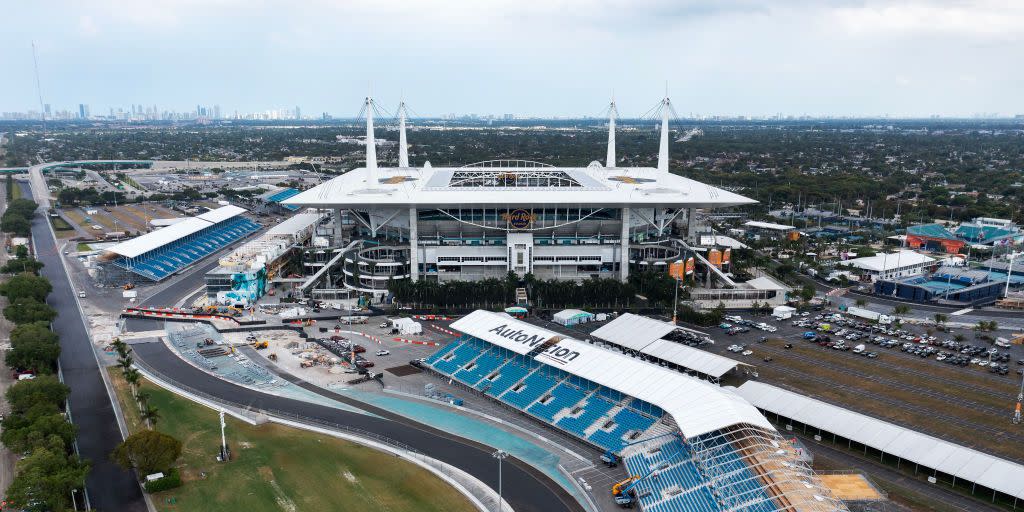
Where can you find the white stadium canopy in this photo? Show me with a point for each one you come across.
(644, 335)
(634, 331)
(156, 239)
(698, 407)
(961, 462)
(221, 214)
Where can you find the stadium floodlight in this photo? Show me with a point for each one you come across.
(500, 455)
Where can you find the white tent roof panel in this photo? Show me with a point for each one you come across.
(223, 213)
(962, 462)
(633, 331)
(692, 358)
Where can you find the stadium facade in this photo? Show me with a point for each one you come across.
(489, 218)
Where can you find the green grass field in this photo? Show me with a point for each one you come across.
(281, 469)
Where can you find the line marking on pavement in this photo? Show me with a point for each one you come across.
(962, 312)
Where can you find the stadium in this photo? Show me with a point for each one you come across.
(489, 218)
(687, 444)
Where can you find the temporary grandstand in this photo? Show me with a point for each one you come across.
(690, 445)
(157, 255)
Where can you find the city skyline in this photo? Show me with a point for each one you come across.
(560, 59)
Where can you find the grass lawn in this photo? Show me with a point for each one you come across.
(83, 247)
(276, 468)
(15, 192)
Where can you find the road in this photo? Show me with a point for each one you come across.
(525, 488)
(110, 488)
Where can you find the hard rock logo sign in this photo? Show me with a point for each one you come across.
(519, 219)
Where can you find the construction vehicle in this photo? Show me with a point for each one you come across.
(129, 286)
(260, 345)
(624, 492)
(272, 357)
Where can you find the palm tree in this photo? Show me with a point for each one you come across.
(125, 362)
(940, 318)
(142, 397)
(132, 376)
(150, 415)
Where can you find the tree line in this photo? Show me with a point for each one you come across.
(655, 288)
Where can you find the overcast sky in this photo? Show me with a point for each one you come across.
(545, 57)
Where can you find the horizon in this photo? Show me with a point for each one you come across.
(872, 59)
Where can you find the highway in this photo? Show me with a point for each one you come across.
(110, 488)
(525, 488)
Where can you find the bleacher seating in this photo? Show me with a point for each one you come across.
(454, 360)
(564, 395)
(626, 420)
(168, 259)
(593, 409)
(738, 477)
(512, 372)
(533, 387)
(482, 367)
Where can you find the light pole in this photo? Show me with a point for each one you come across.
(1009, 272)
(500, 455)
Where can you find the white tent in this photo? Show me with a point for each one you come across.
(407, 326)
(573, 316)
(783, 312)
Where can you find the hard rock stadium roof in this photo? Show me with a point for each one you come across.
(508, 185)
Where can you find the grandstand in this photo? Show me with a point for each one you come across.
(158, 254)
(278, 195)
(688, 444)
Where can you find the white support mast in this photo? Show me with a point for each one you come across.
(612, 114)
(371, 147)
(666, 106)
(403, 148)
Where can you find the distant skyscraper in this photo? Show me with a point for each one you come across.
(216, 111)
(83, 111)
(46, 109)
(298, 113)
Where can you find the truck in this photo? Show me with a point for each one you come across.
(858, 349)
(867, 314)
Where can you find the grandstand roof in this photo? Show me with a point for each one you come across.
(698, 407)
(890, 261)
(936, 231)
(961, 462)
(978, 233)
(295, 224)
(645, 335)
(768, 225)
(221, 214)
(509, 183)
(634, 331)
(155, 239)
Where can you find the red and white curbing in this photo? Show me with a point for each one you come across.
(418, 342)
(442, 329)
(431, 317)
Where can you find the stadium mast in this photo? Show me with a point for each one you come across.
(39, 88)
(666, 107)
(612, 113)
(403, 148)
(371, 146)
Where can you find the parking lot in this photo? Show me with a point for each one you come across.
(914, 375)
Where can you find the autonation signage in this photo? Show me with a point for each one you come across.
(530, 341)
